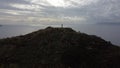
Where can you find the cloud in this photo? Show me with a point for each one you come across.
(105, 11)
(56, 11)
(27, 7)
(62, 3)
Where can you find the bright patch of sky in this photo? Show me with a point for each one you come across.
(59, 11)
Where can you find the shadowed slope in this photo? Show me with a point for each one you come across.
(60, 46)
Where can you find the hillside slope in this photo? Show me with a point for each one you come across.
(60, 47)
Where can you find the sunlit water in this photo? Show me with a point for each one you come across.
(107, 32)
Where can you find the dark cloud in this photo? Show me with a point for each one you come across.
(4, 4)
(13, 1)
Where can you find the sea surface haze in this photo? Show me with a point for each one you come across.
(108, 32)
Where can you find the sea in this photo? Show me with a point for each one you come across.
(107, 32)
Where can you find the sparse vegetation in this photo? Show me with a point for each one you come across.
(58, 48)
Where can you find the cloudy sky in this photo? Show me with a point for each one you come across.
(59, 11)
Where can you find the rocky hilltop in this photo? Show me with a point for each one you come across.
(58, 48)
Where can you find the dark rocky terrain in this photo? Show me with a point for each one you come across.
(58, 48)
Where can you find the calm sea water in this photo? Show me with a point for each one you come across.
(107, 32)
(16, 30)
